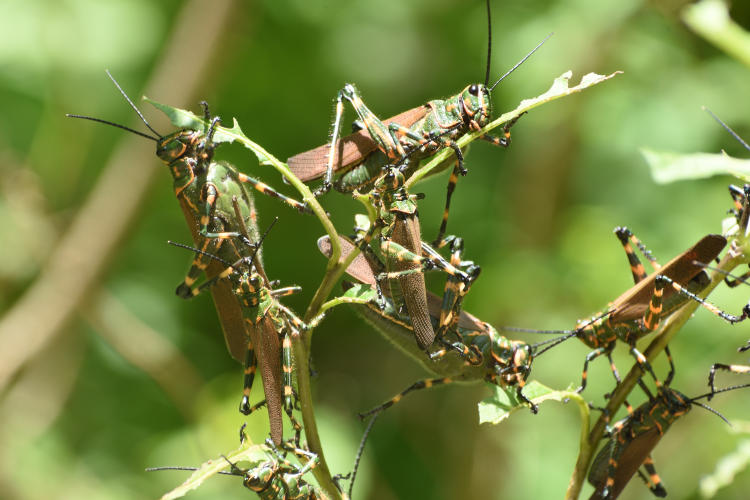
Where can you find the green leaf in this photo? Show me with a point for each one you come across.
(255, 454)
(362, 292)
(504, 401)
(669, 167)
(183, 118)
(560, 88)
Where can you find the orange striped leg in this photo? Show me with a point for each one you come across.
(420, 384)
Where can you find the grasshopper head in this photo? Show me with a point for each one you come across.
(177, 145)
(475, 104)
(511, 359)
(392, 180)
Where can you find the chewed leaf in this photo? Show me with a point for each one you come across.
(254, 454)
(560, 88)
(669, 167)
(504, 401)
(183, 118)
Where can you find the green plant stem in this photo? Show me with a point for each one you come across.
(343, 300)
(583, 409)
(671, 326)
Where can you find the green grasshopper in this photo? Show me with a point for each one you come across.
(274, 477)
(501, 361)
(279, 479)
(398, 231)
(205, 190)
(632, 439)
(640, 310)
(404, 139)
(271, 320)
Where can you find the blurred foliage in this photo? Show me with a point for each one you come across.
(82, 420)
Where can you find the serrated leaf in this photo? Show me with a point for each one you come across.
(504, 401)
(255, 454)
(669, 167)
(561, 87)
(183, 118)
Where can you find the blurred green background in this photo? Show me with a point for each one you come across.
(134, 377)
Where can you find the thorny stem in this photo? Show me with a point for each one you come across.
(732, 259)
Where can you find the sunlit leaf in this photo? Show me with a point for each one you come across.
(254, 454)
(504, 401)
(669, 167)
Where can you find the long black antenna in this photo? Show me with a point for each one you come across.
(552, 342)
(711, 394)
(83, 117)
(143, 119)
(489, 45)
(556, 332)
(198, 250)
(727, 128)
(511, 70)
(722, 271)
(178, 467)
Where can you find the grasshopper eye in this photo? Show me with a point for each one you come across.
(474, 90)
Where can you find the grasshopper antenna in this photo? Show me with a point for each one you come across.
(83, 117)
(552, 343)
(566, 333)
(719, 270)
(177, 467)
(123, 127)
(727, 128)
(198, 250)
(489, 46)
(711, 394)
(511, 70)
(143, 119)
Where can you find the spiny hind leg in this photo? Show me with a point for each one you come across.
(636, 267)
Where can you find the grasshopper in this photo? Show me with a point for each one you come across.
(404, 139)
(271, 320)
(502, 361)
(632, 439)
(397, 227)
(205, 190)
(640, 309)
(273, 477)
